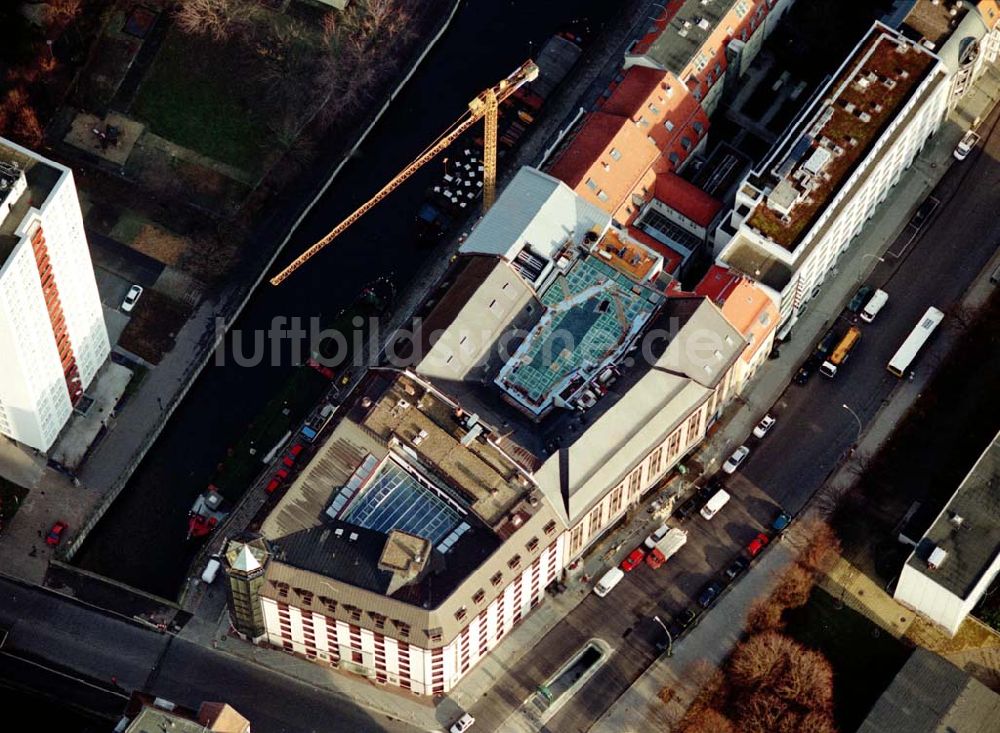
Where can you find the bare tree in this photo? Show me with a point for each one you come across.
(765, 615)
(705, 720)
(806, 680)
(60, 13)
(220, 19)
(28, 128)
(794, 588)
(20, 117)
(816, 722)
(757, 659)
(329, 27)
(760, 712)
(380, 13)
(823, 548)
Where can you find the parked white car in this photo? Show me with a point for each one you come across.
(765, 424)
(968, 142)
(734, 461)
(462, 724)
(134, 293)
(658, 534)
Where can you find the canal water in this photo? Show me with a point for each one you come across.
(142, 539)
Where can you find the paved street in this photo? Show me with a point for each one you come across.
(97, 647)
(935, 270)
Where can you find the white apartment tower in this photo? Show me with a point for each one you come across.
(52, 333)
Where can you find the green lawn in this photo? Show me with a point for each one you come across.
(864, 658)
(196, 95)
(11, 496)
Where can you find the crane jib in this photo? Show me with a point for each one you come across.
(485, 105)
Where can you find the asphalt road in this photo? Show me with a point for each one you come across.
(935, 269)
(53, 631)
(814, 431)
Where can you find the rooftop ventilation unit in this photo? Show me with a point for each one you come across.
(957, 520)
(937, 558)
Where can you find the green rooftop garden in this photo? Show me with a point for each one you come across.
(902, 73)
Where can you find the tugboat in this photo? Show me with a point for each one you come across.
(206, 513)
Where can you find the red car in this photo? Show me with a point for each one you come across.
(757, 544)
(634, 558)
(279, 478)
(55, 535)
(293, 453)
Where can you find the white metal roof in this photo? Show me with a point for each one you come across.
(534, 209)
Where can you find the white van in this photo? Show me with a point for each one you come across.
(875, 304)
(211, 570)
(719, 500)
(608, 581)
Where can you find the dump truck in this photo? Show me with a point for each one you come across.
(672, 541)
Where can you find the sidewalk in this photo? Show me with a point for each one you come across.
(641, 708)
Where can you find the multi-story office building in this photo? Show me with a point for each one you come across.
(52, 333)
(654, 117)
(706, 45)
(797, 213)
(549, 383)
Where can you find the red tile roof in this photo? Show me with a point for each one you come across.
(718, 284)
(634, 91)
(582, 158)
(686, 198)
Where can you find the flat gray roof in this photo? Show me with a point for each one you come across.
(41, 179)
(686, 32)
(932, 695)
(973, 543)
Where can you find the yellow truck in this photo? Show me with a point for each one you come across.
(841, 352)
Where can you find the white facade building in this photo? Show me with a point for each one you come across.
(52, 333)
(958, 559)
(965, 35)
(798, 212)
(412, 662)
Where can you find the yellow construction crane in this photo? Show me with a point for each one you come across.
(484, 106)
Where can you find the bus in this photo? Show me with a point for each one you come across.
(840, 354)
(900, 363)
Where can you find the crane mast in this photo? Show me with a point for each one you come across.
(485, 106)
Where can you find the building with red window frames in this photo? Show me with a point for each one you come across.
(52, 333)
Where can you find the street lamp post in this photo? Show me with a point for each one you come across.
(858, 419)
(670, 639)
(861, 267)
